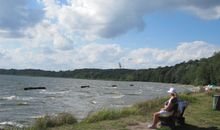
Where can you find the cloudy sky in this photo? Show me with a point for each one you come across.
(72, 34)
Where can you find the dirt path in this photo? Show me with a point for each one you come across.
(139, 126)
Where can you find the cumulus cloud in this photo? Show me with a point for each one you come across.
(107, 19)
(148, 57)
(94, 18)
(51, 35)
(104, 56)
(16, 16)
(98, 55)
(64, 24)
(204, 9)
(92, 55)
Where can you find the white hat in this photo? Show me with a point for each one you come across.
(172, 90)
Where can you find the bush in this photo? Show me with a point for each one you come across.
(47, 121)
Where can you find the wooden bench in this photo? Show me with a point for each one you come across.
(176, 118)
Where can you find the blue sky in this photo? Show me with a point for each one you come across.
(169, 29)
(63, 35)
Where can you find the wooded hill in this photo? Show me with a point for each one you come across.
(198, 72)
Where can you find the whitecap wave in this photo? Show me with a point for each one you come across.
(93, 102)
(25, 98)
(55, 92)
(17, 98)
(36, 117)
(11, 123)
(9, 98)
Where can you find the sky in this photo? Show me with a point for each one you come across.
(74, 34)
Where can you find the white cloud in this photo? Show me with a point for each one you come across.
(98, 55)
(93, 18)
(51, 36)
(16, 16)
(148, 57)
(194, 50)
(208, 13)
(91, 55)
(104, 56)
(62, 26)
(65, 25)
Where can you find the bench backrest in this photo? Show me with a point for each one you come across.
(182, 105)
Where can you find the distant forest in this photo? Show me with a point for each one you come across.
(195, 72)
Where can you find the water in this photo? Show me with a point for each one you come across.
(20, 108)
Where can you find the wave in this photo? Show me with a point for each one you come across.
(93, 102)
(8, 98)
(118, 96)
(54, 93)
(112, 93)
(135, 93)
(25, 98)
(11, 124)
(36, 117)
(112, 87)
(22, 104)
(5, 109)
(16, 98)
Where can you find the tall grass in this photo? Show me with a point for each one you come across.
(47, 121)
(142, 108)
(188, 97)
(110, 114)
(149, 106)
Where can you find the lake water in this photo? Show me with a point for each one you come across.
(20, 108)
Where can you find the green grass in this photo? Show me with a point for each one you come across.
(199, 116)
(110, 114)
(47, 121)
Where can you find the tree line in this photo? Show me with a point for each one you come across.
(196, 72)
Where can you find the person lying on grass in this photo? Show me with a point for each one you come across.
(168, 109)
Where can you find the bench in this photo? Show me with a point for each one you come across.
(176, 117)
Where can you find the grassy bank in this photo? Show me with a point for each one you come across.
(199, 116)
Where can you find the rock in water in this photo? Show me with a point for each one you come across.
(85, 86)
(32, 88)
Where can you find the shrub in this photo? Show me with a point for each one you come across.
(47, 121)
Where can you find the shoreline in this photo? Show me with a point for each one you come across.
(139, 113)
(81, 119)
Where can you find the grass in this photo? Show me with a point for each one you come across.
(47, 121)
(199, 116)
(110, 114)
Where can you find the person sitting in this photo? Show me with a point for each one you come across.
(167, 110)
